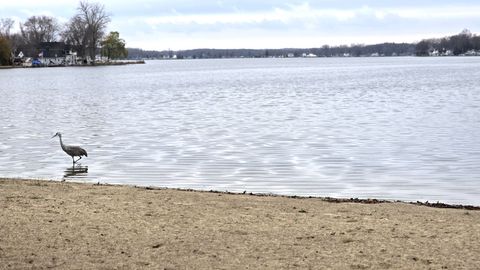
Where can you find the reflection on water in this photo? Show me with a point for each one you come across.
(391, 128)
(75, 171)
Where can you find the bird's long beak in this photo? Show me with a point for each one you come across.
(54, 136)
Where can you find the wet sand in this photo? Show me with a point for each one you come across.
(59, 225)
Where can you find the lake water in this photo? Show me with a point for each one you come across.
(392, 128)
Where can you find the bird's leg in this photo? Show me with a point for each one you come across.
(78, 159)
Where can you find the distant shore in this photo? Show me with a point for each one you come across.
(82, 226)
(113, 63)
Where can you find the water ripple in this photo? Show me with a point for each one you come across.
(392, 128)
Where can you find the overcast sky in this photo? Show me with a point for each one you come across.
(187, 24)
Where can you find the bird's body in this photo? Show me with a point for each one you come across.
(71, 150)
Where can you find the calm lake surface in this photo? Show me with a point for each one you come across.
(393, 128)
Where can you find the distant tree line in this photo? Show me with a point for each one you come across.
(358, 50)
(384, 49)
(460, 44)
(136, 53)
(463, 43)
(85, 33)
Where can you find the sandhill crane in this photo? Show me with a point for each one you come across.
(73, 151)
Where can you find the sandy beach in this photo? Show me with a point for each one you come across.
(61, 225)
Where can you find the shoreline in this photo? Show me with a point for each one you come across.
(73, 225)
(119, 63)
(437, 204)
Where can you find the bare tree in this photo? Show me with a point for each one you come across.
(5, 41)
(39, 29)
(95, 19)
(14, 39)
(6, 25)
(75, 33)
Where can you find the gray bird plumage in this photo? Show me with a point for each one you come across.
(73, 151)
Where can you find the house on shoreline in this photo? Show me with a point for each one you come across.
(57, 53)
(50, 54)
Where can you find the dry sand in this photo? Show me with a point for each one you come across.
(82, 226)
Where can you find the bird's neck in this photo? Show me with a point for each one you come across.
(61, 142)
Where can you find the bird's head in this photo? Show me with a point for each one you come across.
(57, 134)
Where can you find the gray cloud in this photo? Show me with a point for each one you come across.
(251, 23)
